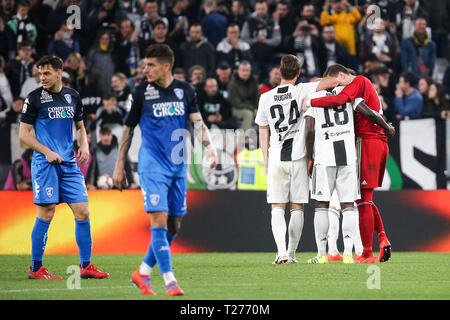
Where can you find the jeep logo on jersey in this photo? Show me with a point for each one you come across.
(179, 93)
(61, 112)
(174, 108)
(68, 98)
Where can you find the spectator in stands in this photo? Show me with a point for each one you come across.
(122, 91)
(232, 49)
(423, 85)
(406, 15)
(160, 36)
(31, 83)
(371, 63)
(308, 12)
(109, 113)
(179, 74)
(223, 77)
(286, 20)
(105, 158)
(446, 82)
(75, 67)
(408, 101)
(5, 49)
(20, 26)
(377, 41)
(243, 93)
(63, 43)
(197, 76)
(335, 52)
(13, 114)
(8, 9)
(132, 8)
(140, 76)
(38, 14)
(91, 98)
(4, 109)
(214, 24)
(100, 59)
(383, 76)
(178, 22)
(264, 36)
(215, 109)
(19, 176)
(386, 104)
(418, 53)
(305, 46)
(198, 51)
(274, 80)
(439, 21)
(19, 69)
(5, 88)
(238, 13)
(344, 18)
(435, 104)
(105, 15)
(146, 24)
(59, 15)
(125, 52)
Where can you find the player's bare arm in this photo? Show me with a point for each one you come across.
(327, 83)
(27, 138)
(119, 176)
(309, 141)
(202, 135)
(376, 118)
(83, 150)
(264, 139)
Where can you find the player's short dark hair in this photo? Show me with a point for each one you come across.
(109, 95)
(333, 70)
(162, 52)
(104, 130)
(410, 78)
(289, 67)
(51, 59)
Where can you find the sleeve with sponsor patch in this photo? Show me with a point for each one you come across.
(29, 111)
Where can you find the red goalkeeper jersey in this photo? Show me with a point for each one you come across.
(359, 87)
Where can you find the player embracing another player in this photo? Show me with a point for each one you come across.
(285, 154)
(371, 144)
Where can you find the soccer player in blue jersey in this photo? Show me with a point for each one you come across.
(161, 106)
(52, 110)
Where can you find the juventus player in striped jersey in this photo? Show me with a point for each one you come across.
(285, 153)
(331, 153)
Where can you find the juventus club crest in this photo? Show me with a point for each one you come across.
(179, 93)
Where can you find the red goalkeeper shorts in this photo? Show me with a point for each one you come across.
(372, 157)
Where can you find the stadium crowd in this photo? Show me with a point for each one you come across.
(228, 50)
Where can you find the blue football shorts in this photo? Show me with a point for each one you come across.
(163, 193)
(58, 183)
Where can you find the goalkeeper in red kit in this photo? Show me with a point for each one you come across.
(373, 153)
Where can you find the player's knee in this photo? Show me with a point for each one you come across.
(46, 212)
(173, 225)
(82, 214)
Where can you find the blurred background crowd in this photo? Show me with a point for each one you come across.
(228, 50)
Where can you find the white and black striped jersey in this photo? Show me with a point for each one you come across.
(280, 109)
(334, 143)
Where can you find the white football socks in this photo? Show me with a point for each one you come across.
(350, 230)
(279, 229)
(321, 226)
(333, 231)
(295, 230)
(145, 269)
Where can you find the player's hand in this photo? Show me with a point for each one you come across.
(211, 156)
(305, 104)
(119, 178)
(83, 153)
(310, 167)
(391, 130)
(53, 157)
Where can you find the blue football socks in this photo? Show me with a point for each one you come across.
(161, 249)
(38, 243)
(84, 241)
(150, 258)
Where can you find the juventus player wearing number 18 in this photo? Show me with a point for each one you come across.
(285, 153)
(374, 152)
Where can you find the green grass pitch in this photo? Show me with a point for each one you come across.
(239, 276)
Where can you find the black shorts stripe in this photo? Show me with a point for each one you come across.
(286, 150)
(340, 154)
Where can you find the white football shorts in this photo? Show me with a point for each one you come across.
(287, 181)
